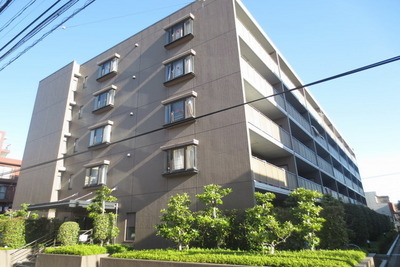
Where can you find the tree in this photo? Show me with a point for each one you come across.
(103, 222)
(334, 231)
(263, 229)
(213, 226)
(307, 213)
(177, 221)
(21, 213)
(68, 233)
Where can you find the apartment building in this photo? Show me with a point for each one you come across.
(9, 172)
(164, 112)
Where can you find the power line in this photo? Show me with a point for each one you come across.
(19, 13)
(5, 5)
(38, 28)
(374, 65)
(30, 24)
(89, 2)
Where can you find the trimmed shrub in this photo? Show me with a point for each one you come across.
(38, 228)
(303, 258)
(118, 248)
(68, 233)
(12, 233)
(80, 250)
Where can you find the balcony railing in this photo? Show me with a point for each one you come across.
(338, 175)
(304, 151)
(269, 127)
(305, 183)
(324, 165)
(333, 151)
(298, 117)
(270, 174)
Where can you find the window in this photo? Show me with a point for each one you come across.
(181, 159)
(108, 67)
(179, 110)
(100, 134)
(130, 226)
(3, 191)
(96, 175)
(179, 30)
(179, 68)
(104, 98)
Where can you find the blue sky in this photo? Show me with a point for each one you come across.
(318, 39)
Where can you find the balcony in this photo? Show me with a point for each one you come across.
(304, 151)
(338, 175)
(298, 118)
(324, 165)
(307, 184)
(267, 126)
(268, 173)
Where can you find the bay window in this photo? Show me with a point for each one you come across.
(181, 159)
(179, 110)
(183, 29)
(108, 67)
(96, 175)
(104, 98)
(100, 133)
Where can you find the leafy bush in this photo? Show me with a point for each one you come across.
(41, 227)
(12, 232)
(300, 258)
(80, 250)
(68, 233)
(118, 248)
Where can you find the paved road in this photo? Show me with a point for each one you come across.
(394, 260)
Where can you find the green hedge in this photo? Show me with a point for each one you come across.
(12, 233)
(81, 250)
(320, 258)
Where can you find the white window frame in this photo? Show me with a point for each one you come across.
(187, 110)
(96, 173)
(181, 157)
(100, 133)
(108, 66)
(104, 98)
(179, 68)
(180, 29)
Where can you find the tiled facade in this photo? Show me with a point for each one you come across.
(152, 117)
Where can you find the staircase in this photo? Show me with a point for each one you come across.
(26, 255)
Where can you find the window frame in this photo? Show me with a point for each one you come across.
(101, 174)
(108, 67)
(181, 158)
(188, 110)
(103, 130)
(184, 27)
(106, 102)
(3, 191)
(130, 222)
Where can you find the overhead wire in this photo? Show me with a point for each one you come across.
(5, 6)
(18, 14)
(88, 3)
(364, 68)
(38, 27)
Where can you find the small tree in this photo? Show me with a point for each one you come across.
(307, 213)
(68, 233)
(103, 222)
(334, 232)
(212, 224)
(177, 221)
(263, 229)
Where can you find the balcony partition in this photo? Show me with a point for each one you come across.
(266, 125)
(304, 151)
(268, 173)
(298, 117)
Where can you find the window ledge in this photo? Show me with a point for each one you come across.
(98, 146)
(179, 41)
(106, 76)
(180, 172)
(93, 186)
(180, 122)
(179, 79)
(103, 109)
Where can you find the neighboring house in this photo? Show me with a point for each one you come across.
(9, 172)
(151, 117)
(382, 205)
